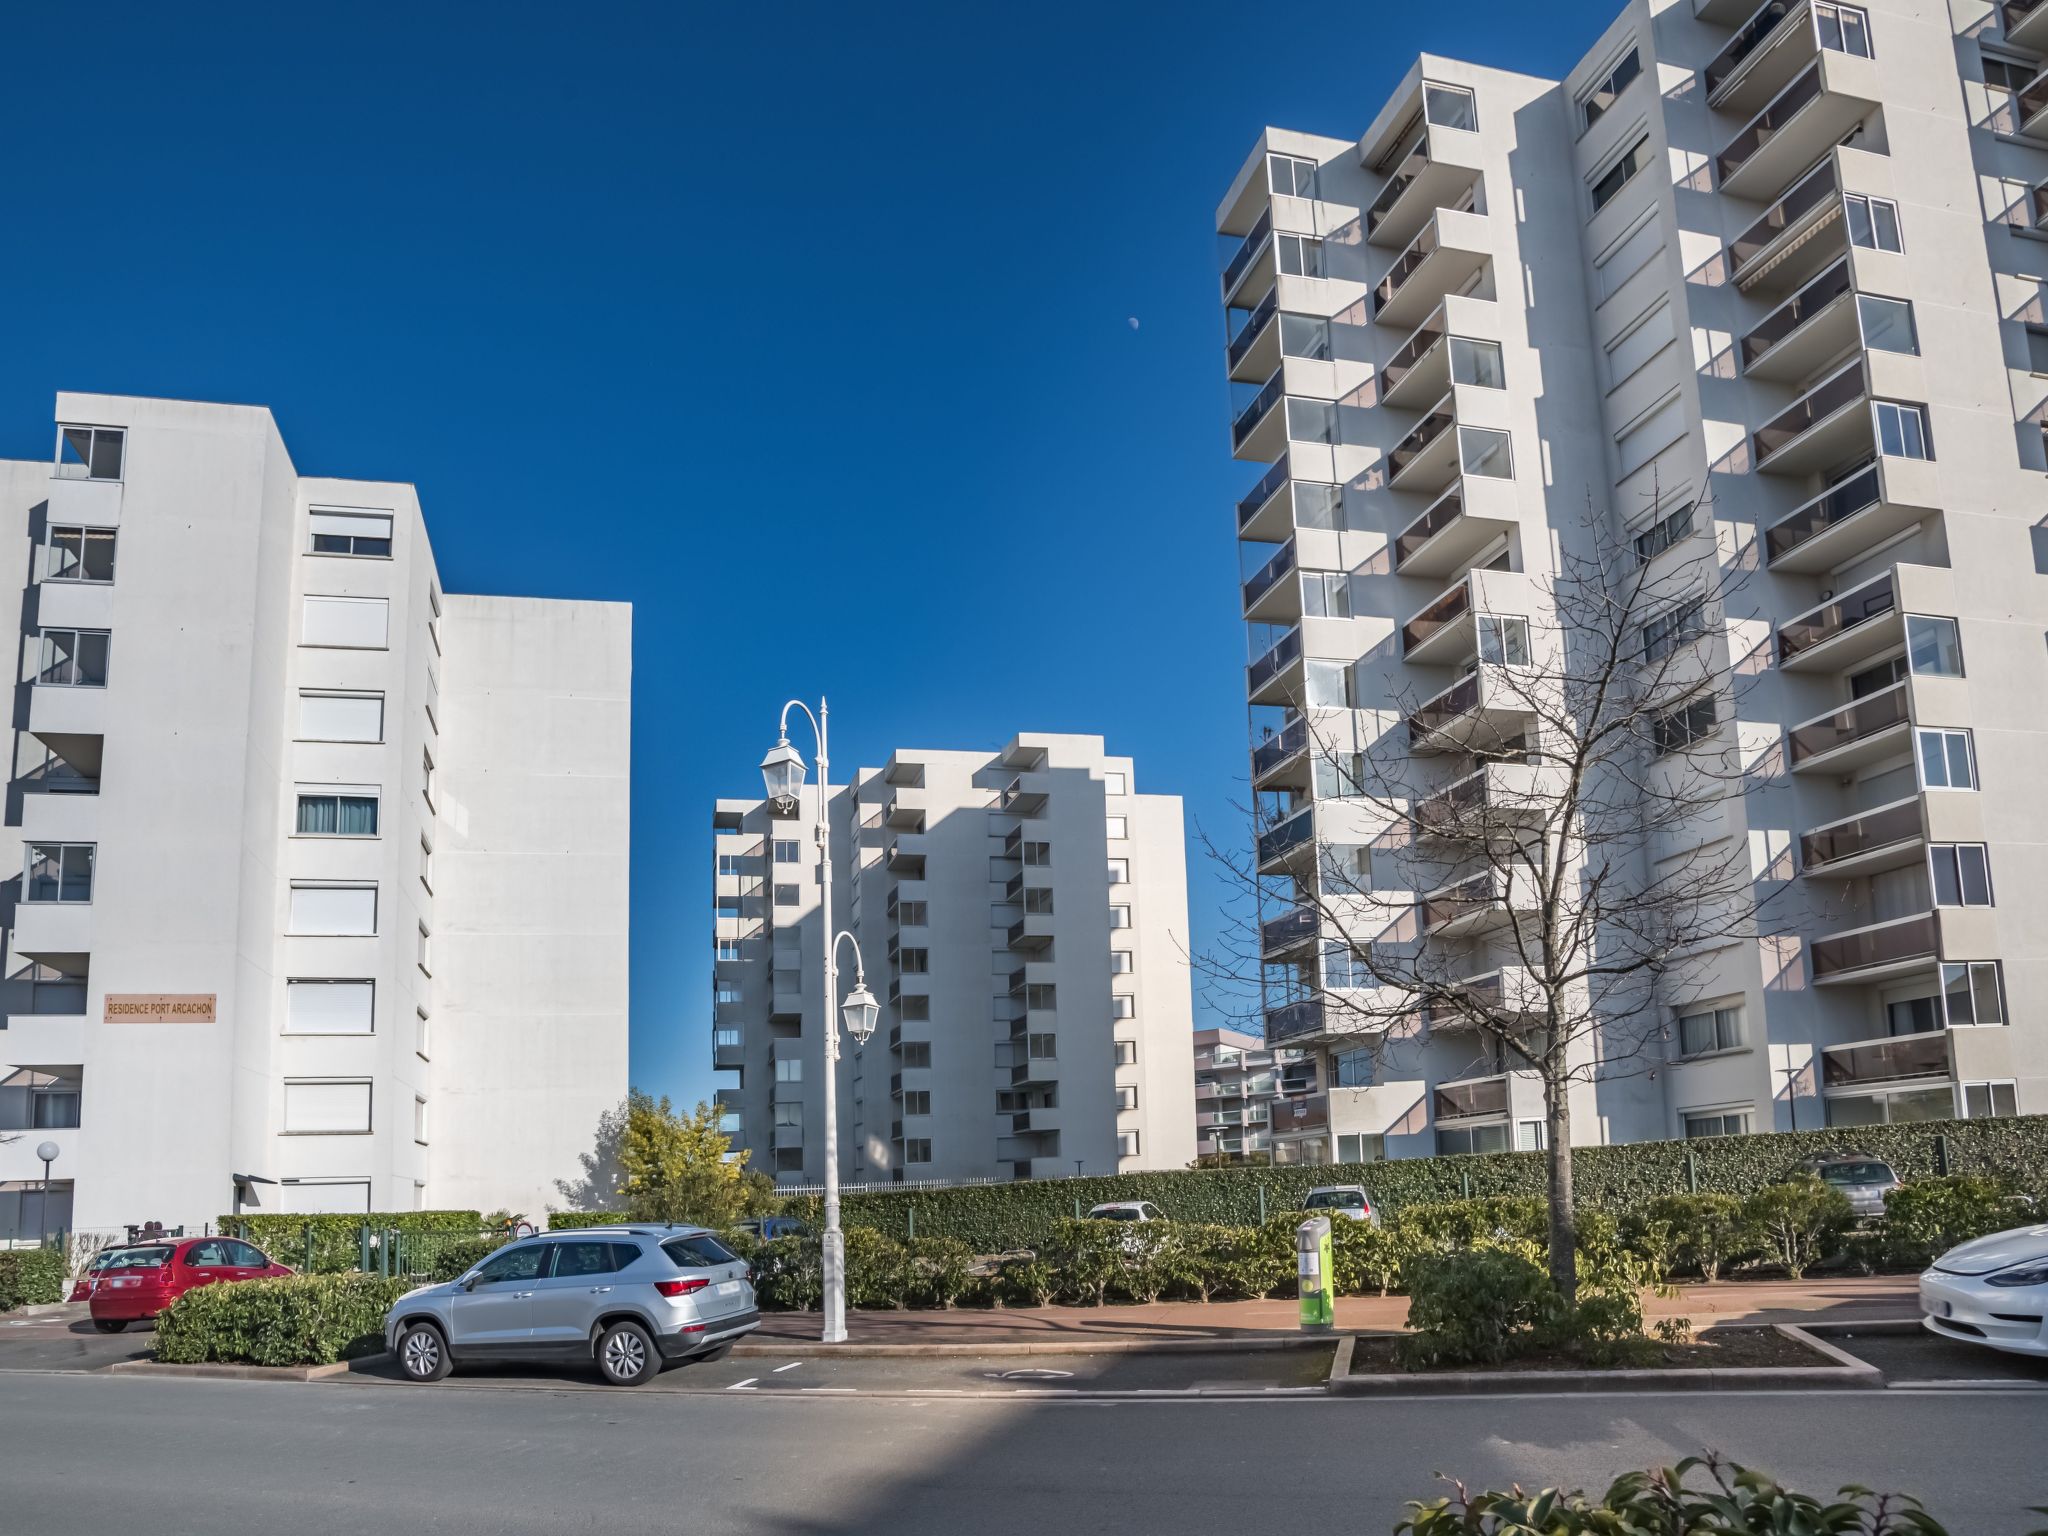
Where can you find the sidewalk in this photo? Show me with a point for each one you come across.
(1272, 1324)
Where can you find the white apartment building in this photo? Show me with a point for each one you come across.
(322, 901)
(1245, 1090)
(1023, 919)
(1771, 277)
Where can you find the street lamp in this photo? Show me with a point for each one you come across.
(782, 776)
(48, 1152)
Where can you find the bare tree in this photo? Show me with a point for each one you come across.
(1540, 868)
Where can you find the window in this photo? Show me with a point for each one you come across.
(1594, 104)
(1038, 855)
(419, 1134)
(351, 533)
(914, 962)
(1681, 727)
(1305, 336)
(1450, 106)
(917, 1055)
(1290, 176)
(1127, 1053)
(1486, 453)
(1912, 1015)
(1668, 631)
(1711, 1029)
(1946, 761)
(1119, 917)
(917, 1101)
(1039, 1047)
(1126, 1143)
(1126, 1096)
(914, 914)
(1338, 775)
(426, 950)
(1663, 533)
(1971, 993)
(427, 865)
(1300, 255)
(1504, 640)
(341, 717)
(326, 1107)
(789, 1069)
(731, 863)
(1317, 504)
(351, 623)
(786, 851)
(1985, 1101)
(1343, 967)
(1326, 684)
(1351, 1069)
(337, 813)
(789, 1159)
(333, 910)
(1933, 646)
(2037, 362)
(1311, 421)
(1361, 1149)
(74, 658)
(917, 1149)
(727, 949)
(1116, 783)
(59, 872)
(1902, 430)
(330, 1007)
(1843, 28)
(90, 453)
(54, 1108)
(1119, 871)
(1720, 1122)
(427, 778)
(1040, 995)
(1617, 175)
(727, 992)
(1119, 828)
(1887, 324)
(80, 554)
(1119, 962)
(1459, 1140)
(422, 1035)
(1477, 363)
(785, 895)
(1123, 1006)
(1961, 873)
(1873, 222)
(1037, 901)
(1531, 1136)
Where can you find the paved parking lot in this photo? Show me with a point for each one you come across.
(1911, 1359)
(67, 1341)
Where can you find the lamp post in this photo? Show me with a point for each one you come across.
(48, 1152)
(782, 774)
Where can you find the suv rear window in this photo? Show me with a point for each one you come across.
(700, 1252)
(1342, 1199)
(153, 1257)
(1856, 1173)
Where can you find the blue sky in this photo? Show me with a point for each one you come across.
(870, 351)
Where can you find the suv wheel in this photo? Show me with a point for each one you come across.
(626, 1355)
(423, 1353)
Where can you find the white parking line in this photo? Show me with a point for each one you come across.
(744, 1386)
(789, 1367)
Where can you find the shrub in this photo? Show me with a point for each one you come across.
(789, 1275)
(1739, 1502)
(1367, 1257)
(456, 1258)
(1449, 1225)
(938, 1269)
(566, 1221)
(1026, 1283)
(1924, 1220)
(1701, 1233)
(1086, 1257)
(32, 1277)
(1475, 1308)
(299, 1320)
(328, 1245)
(1799, 1221)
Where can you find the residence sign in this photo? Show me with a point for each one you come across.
(160, 1007)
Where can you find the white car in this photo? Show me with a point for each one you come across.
(1342, 1200)
(1126, 1210)
(1993, 1290)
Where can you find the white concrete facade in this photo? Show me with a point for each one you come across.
(1023, 919)
(379, 833)
(1771, 277)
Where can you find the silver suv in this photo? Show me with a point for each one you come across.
(629, 1298)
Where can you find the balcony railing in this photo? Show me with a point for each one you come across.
(1248, 334)
(1443, 512)
(1254, 500)
(1884, 944)
(1447, 608)
(1781, 322)
(1277, 749)
(1899, 1059)
(1290, 1021)
(1811, 190)
(2037, 207)
(1837, 392)
(1425, 339)
(1412, 165)
(1296, 831)
(1270, 395)
(1234, 269)
(1302, 1113)
(1765, 126)
(1816, 626)
(1460, 900)
(1297, 925)
(1269, 575)
(1281, 655)
(2033, 98)
(1426, 431)
(1485, 991)
(1885, 827)
(1751, 36)
(1420, 249)
(1470, 1099)
(1835, 505)
(1461, 698)
(1869, 715)
(1448, 808)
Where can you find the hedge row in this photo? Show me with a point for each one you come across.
(333, 1244)
(564, 1221)
(31, 1277)
(299, 1320)
(991, 1218)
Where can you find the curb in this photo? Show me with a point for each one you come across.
(1848, 1371)
(218, 1372)
(43, 1309)
(1876, 1327)
(809, 1349)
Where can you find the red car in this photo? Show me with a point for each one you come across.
(140, 1280)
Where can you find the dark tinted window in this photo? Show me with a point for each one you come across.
(246, 1256)
(1856, 1173)
(700, 1252)
(208, 1255)
(1343, 1199)
(588, 1258)
(153, 1257)
(513, 1264)
(1117, 1215)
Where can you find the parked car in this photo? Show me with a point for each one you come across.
(1992, 1291)
(1866, 1180)
(1342, 1200)
(138, 1281)
(81, 1288)
(768, 1228)
(1126, 1210)
(628, 1299)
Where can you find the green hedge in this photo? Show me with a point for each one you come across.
(333, 1244)
(31, 1277)
(991, 1218)
(565, 1221)
(299, 1320)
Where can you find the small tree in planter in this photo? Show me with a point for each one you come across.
(1800, 1221)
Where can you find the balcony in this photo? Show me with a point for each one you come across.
(1763, 56)
(1466, 907)
(1267, 409)
(1797, 235)
(1723, 13)
(1475, 713)
(2030, 109)
(1031, 932)
(1266, 512)
(1438, 169)
(1270, 593)
(1301, 1019)
(1848, 629)
(2026, 24)
(1025, 795)
(55, 933)
(1289, 931)
(1301, 1115)
(1275, 678)
(905, 810)
(1856, 514)
(1427, 458)
(1874, 727)
(1497, 800)
(1829, 423)
(1450, 248)
(1881, 950)
(1444, 631)
(905, 858)
(1925, 1060)
(71, 722)
(1456, 528)
(1254, 352)
(727, 1053)
(1470, 1098)
(1255, 249)
(1885, 837)
(1509, 993)
(1287, 842)
(1813, 112)
(1286, 751)
(1806, 332)
(1420, 369)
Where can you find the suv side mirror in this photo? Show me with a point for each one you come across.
(469, 1281)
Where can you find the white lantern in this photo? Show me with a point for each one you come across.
(782, 773)
(860, 1011)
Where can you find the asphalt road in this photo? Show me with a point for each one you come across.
(96, 1453)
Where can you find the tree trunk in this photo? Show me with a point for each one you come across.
(1564, 1228)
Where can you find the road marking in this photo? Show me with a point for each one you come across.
(789, 1367)
(744, 1386)
(825, 1389)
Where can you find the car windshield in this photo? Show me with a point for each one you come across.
(1341, 1199)
(1856, 1173)
(702, 1251)
(153, 1257)
(1114, 1213)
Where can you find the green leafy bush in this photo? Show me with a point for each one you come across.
(298, 1320)
(569, 1221)
(1923, 1220)
(1700, 1234)
(789, 1274)
(1087, 1257)
(328, 1245)
(1450, 1225)
(451, 1260)
(32, 1277)
(937, 1271)
(1367, 1257)
(1799, 1221)
(1479, 1307)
